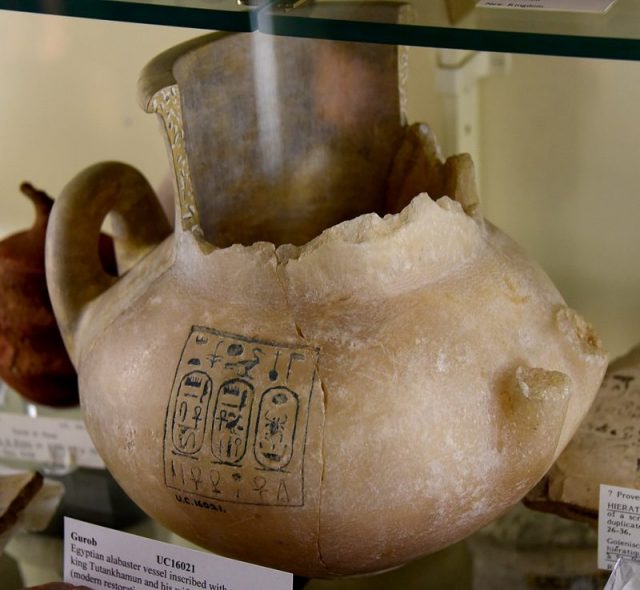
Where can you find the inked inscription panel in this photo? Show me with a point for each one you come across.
(237, 419)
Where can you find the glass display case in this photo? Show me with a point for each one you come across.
(550, 113)
(444, 23)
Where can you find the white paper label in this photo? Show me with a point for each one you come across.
(618, 525)
(99, 557)
(57, 441)
(565, 5)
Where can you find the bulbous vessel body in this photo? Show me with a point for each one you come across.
(382, 388)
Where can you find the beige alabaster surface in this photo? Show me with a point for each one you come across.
(128, 424)
(382, 388)
(604, 450)
(437, 416)
(450, 374)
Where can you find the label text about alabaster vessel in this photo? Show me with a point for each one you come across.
(618, 525)
(564, 5)
(98, 557)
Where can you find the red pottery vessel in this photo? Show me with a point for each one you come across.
(33, 359)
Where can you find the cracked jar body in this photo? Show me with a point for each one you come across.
(338, 407)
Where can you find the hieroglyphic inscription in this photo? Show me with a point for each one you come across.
(274, 435)
(237, 419)
(192, 399)
(231, 420)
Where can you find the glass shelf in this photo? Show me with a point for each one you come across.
(223, 15)
(615, 34)
(435, 23)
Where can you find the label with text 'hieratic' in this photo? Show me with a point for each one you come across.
(98, 557)
(618, 525)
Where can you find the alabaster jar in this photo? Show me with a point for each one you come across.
(333, 365)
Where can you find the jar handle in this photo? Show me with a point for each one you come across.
(75, 275)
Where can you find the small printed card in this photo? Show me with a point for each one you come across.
(58, 441)
(564, 5)
(99, 557)
(618, 525)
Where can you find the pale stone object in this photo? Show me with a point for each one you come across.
(604, 450)
(382, 388)
(28, 502)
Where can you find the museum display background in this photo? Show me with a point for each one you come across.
(559, 139)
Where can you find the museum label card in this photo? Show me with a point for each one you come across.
(56, 441)
(564, 5)
(99, 557)
(618, 525)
